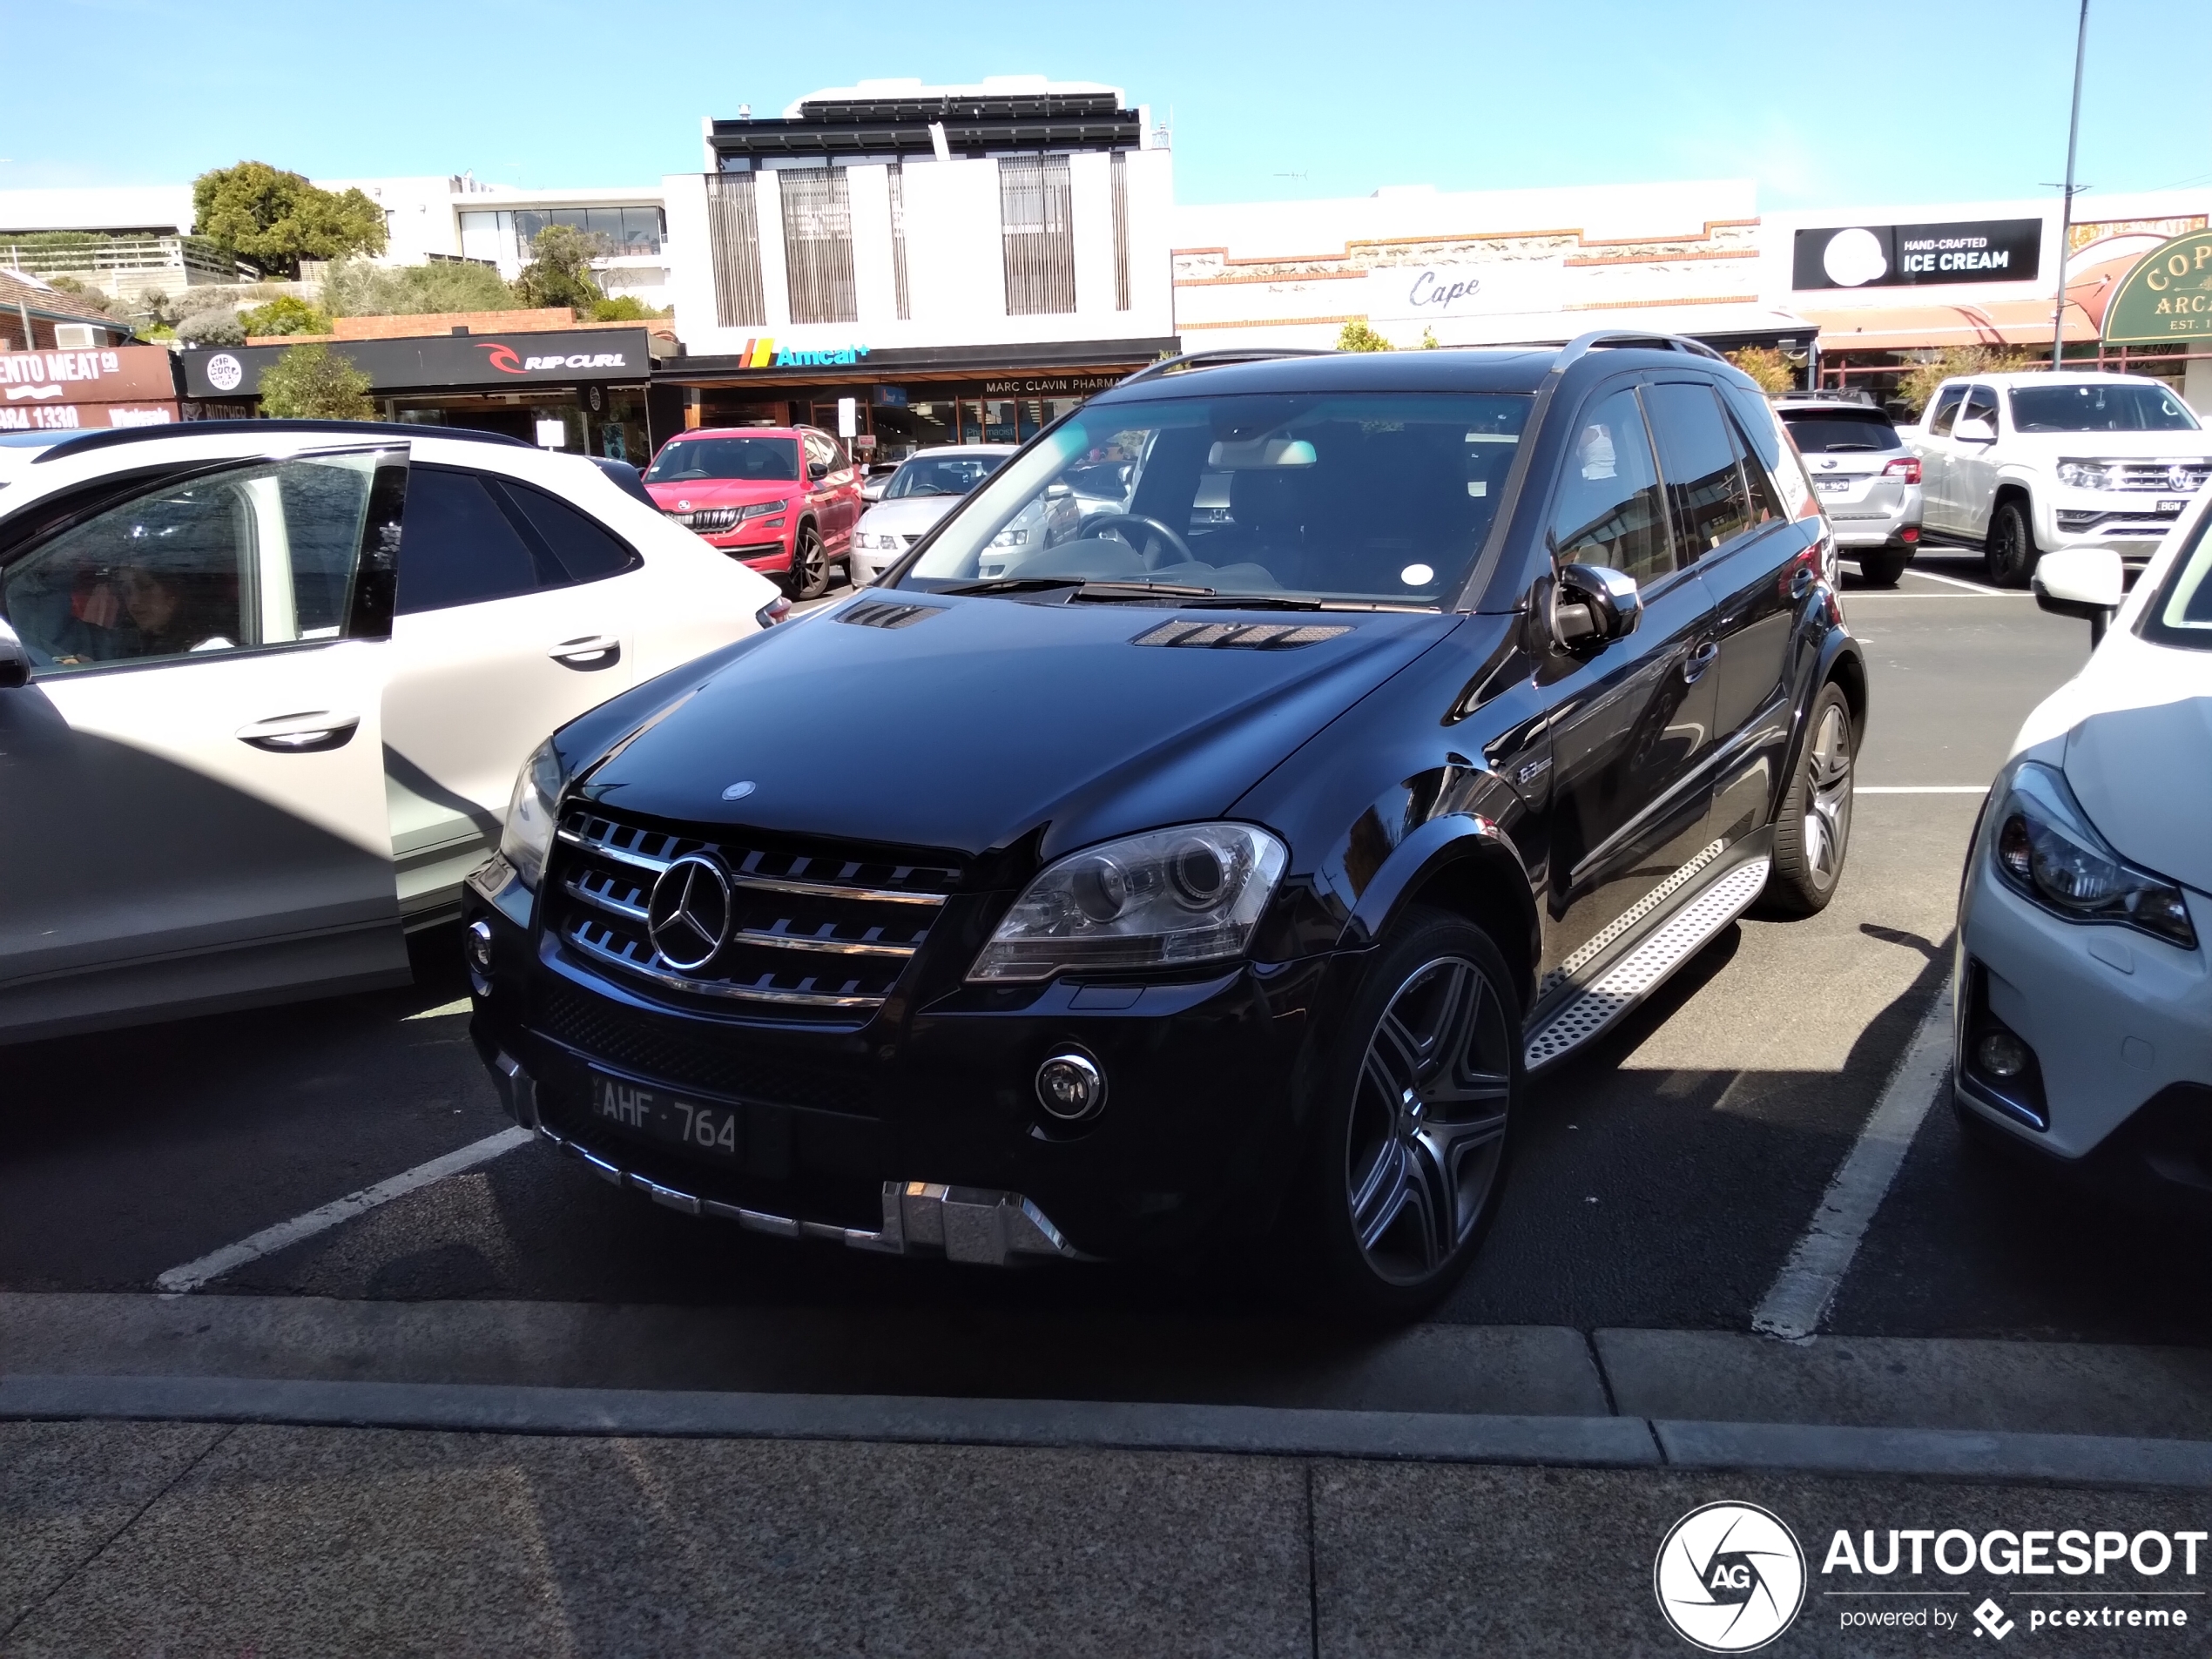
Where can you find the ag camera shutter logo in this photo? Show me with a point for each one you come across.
(1730, 1577)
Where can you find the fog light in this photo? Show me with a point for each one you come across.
(1070, 1086)
(2001, 1055)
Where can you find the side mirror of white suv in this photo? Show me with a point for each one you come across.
(1974, 429)
(2085, 582)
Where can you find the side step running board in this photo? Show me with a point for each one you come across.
(1637, 975)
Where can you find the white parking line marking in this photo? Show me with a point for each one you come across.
(194, 1274)
(1973, 587)
(1903, 789)
(1798, 1299)
(441, 1010)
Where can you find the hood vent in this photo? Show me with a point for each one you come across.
(1238, 636)
(876, 614)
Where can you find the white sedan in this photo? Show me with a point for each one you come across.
(265, 687)
(2084, 998)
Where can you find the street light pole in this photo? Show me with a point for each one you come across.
(2065, 205)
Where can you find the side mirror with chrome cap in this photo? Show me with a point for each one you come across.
(15, 661)
(2085, 582)
(1593, 606)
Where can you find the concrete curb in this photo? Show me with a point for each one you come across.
(1611, 1442)
(500, 1409)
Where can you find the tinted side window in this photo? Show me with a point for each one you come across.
(1705, 484)
(586, 550)
(1609, 510)
(1945, 410)
(459, 547)
(1981, 405)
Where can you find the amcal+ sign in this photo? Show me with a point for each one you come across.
(2168, 296)
(762, 353)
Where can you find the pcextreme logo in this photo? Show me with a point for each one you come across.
(503, 358)
(1730, 1577)
(761, 353)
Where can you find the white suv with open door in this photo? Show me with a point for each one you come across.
(265, 687)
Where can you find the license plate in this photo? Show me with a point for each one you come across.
(2172, 508)
(717, 1131)
(1837, 486)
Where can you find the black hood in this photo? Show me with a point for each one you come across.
(987, 719)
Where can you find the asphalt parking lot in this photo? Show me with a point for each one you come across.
(1662, 1182)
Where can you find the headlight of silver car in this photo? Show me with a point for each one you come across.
(2085, 474)
(528, 835)
(1161, 899)
(2048, 850)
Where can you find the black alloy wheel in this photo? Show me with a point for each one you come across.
(1812, 834)
(1423, 1079)
(809, 577)
(2011, 553)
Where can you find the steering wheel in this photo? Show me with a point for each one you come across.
(1108, 521)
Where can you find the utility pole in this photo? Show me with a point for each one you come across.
(2066, 207)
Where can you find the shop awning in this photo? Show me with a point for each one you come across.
(1998, 322)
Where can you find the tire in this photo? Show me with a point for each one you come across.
(809, 575)
(1882, 569)
(1812, 835)
(1423, 1082)
(2010, 553)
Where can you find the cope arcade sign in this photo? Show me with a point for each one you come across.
(2168, 296)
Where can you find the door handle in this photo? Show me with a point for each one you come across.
(593, 651)
(311, 732)
(1800, 582)
(1698, 661)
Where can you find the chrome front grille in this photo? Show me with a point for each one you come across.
(2174, 477)
(825, 931)
(707, 518)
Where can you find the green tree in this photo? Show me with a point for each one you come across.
(1955, 362)
(1359, 335)
(313, 382)
(625, 307)
(284, 315)
(1768, 368)
(275, 218)
(560, 273)
(1429, 341)
(357, 288)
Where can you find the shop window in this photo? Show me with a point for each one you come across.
(1036, 220)
(1120, 231)
(899, 240)
(733, 243)
(818, 244)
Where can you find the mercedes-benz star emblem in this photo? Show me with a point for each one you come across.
(688, 916)
(737, 792)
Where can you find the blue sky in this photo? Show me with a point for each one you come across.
(1869, 102)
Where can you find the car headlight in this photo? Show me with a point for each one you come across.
(2085, 474)
(2047, 849)
(528, 835)
(1011, 538)
(761, 509)
(1160, 899)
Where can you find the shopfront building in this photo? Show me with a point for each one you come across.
(581, 389)
(72, 391)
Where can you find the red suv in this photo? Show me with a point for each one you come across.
(782, 499)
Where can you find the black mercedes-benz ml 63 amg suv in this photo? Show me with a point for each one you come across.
(1362, 734)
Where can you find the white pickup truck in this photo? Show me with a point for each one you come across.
(2019, 465)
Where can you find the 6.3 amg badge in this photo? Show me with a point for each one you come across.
(1730, 1577)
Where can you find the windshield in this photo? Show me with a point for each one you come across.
(1819, 432)
(748, 460)
(2099, 407)
(1370, 497)
(2181, 612)
(941, 476)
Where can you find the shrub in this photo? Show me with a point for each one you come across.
(1359, 335)
(216, 326)
(625, 307)
(284, 315)
(356, 288)
(1769, 369)
(315, 383)
(1918, 383)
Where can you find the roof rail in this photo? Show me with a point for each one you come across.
(1615, 338)
(77, 443)
(1224, 354)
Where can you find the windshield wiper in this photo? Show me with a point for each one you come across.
(1017, 584)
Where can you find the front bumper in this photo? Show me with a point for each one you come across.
(2116, 1020)
(930, 1103)
(2128, 522)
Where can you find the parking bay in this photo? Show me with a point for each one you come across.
(1662, 1179)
